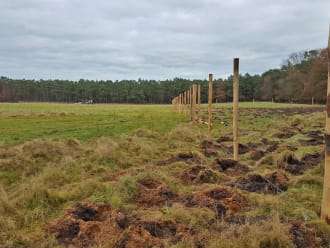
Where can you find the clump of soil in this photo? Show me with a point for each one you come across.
(230, 167)
(302, 236)
(152, 192)
(88, 224)
(199, 174)
(284, 135)
(242, 149)
(137, 236)
(257, 155)
(270, 184)
(187, 157)
(296, 167)
(97, 224)
(210, 148)
(222, 199)
(270, 145)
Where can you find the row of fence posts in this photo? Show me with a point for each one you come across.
(189, 102)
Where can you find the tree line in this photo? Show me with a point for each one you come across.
(302, 76)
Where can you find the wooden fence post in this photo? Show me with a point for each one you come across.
(184, 102)
(181, 105)
(235, 108)
(210, 101)
(325, 207)
(199, 99)
(191, 101)
(194, 87)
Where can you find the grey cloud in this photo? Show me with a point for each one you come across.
(102, 39)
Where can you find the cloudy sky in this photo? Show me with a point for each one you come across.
(158, 39)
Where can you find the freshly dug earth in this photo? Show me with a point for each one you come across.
(92, 224)
(296, 167)
(284, 135)
(273, 183)
(230, 167)
(302, 236)
(199, 174)
(88, 224)
(209, 148)
(221, 199)
(271, 146)
(242, 149)
(152, 192)
(257, 155)
(187, 157)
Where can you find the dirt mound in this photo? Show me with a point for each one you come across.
(270, 184)
(187, 157)
(242, 149)
(88, 224)
(199, 174)
(137, 236)
(97, 224)
(257, 155)
(302, 236)
(270, 145)
(210, 148)
(284, 135)
(222, 199)
(296, 167)
(230, 167)
(152, 192)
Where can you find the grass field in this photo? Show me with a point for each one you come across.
(150, 165)
(26, 121)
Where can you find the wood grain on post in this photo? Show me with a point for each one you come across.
(210, 101)
(325, 207)
(235, 108)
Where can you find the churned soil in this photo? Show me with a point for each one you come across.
(88, 224)
(186, 157)
(152, 192)
(221, 199)
(230, 167)
(303, 236)
(210, 148)
(92, 224)
(199, 174)
(273, 183)
(296, 167)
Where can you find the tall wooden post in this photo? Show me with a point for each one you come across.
(184, 102)
(210, 101)
(181, 105)
(191, 101)
(325, 207)
(187, 102)
(194, 90)
(235, 108)
(199, 99)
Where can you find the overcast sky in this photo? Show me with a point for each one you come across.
(154, 39)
